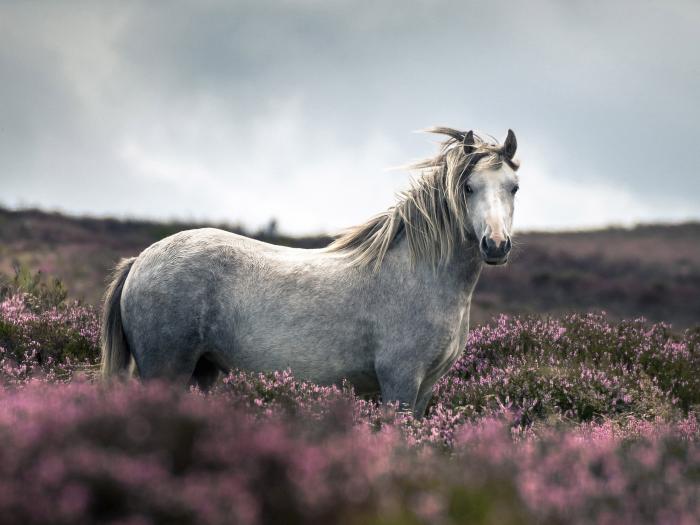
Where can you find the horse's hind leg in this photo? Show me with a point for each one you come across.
(205, 374)
(151, 363)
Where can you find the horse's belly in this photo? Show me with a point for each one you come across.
(311, 354)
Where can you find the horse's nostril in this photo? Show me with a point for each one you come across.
(484, 244)
(508, 246)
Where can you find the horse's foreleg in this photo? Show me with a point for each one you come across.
(424, 397)
(398, 384)
(425, 393)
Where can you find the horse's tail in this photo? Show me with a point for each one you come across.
(116, 355)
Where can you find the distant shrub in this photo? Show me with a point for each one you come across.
(38, 292)
(40, 338)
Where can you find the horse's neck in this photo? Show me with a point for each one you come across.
(463, 270)
(457, 277)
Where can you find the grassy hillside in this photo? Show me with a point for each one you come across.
(651, 271)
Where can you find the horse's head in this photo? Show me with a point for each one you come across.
(464, 193)
(489, 185)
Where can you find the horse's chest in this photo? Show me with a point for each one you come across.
(445, 358)
(450, 341)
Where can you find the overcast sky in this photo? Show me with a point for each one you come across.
(242, 111)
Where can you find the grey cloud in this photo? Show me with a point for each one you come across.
(607, 91)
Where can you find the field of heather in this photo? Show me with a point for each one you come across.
(575, 419)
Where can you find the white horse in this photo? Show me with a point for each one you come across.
(385, 306)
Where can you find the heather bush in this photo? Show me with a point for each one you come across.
(279, 394)
(579, 368)
(597, 472)
(131, 453)
(39, 292)
(41, 335)
(140, 454)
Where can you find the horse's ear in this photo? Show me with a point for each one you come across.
(468, 142)
(510, 145)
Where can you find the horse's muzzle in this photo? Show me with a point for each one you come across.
(495, 253)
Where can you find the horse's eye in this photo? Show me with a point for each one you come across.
(515, 189)
(469, 189)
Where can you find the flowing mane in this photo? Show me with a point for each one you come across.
(433, 212)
